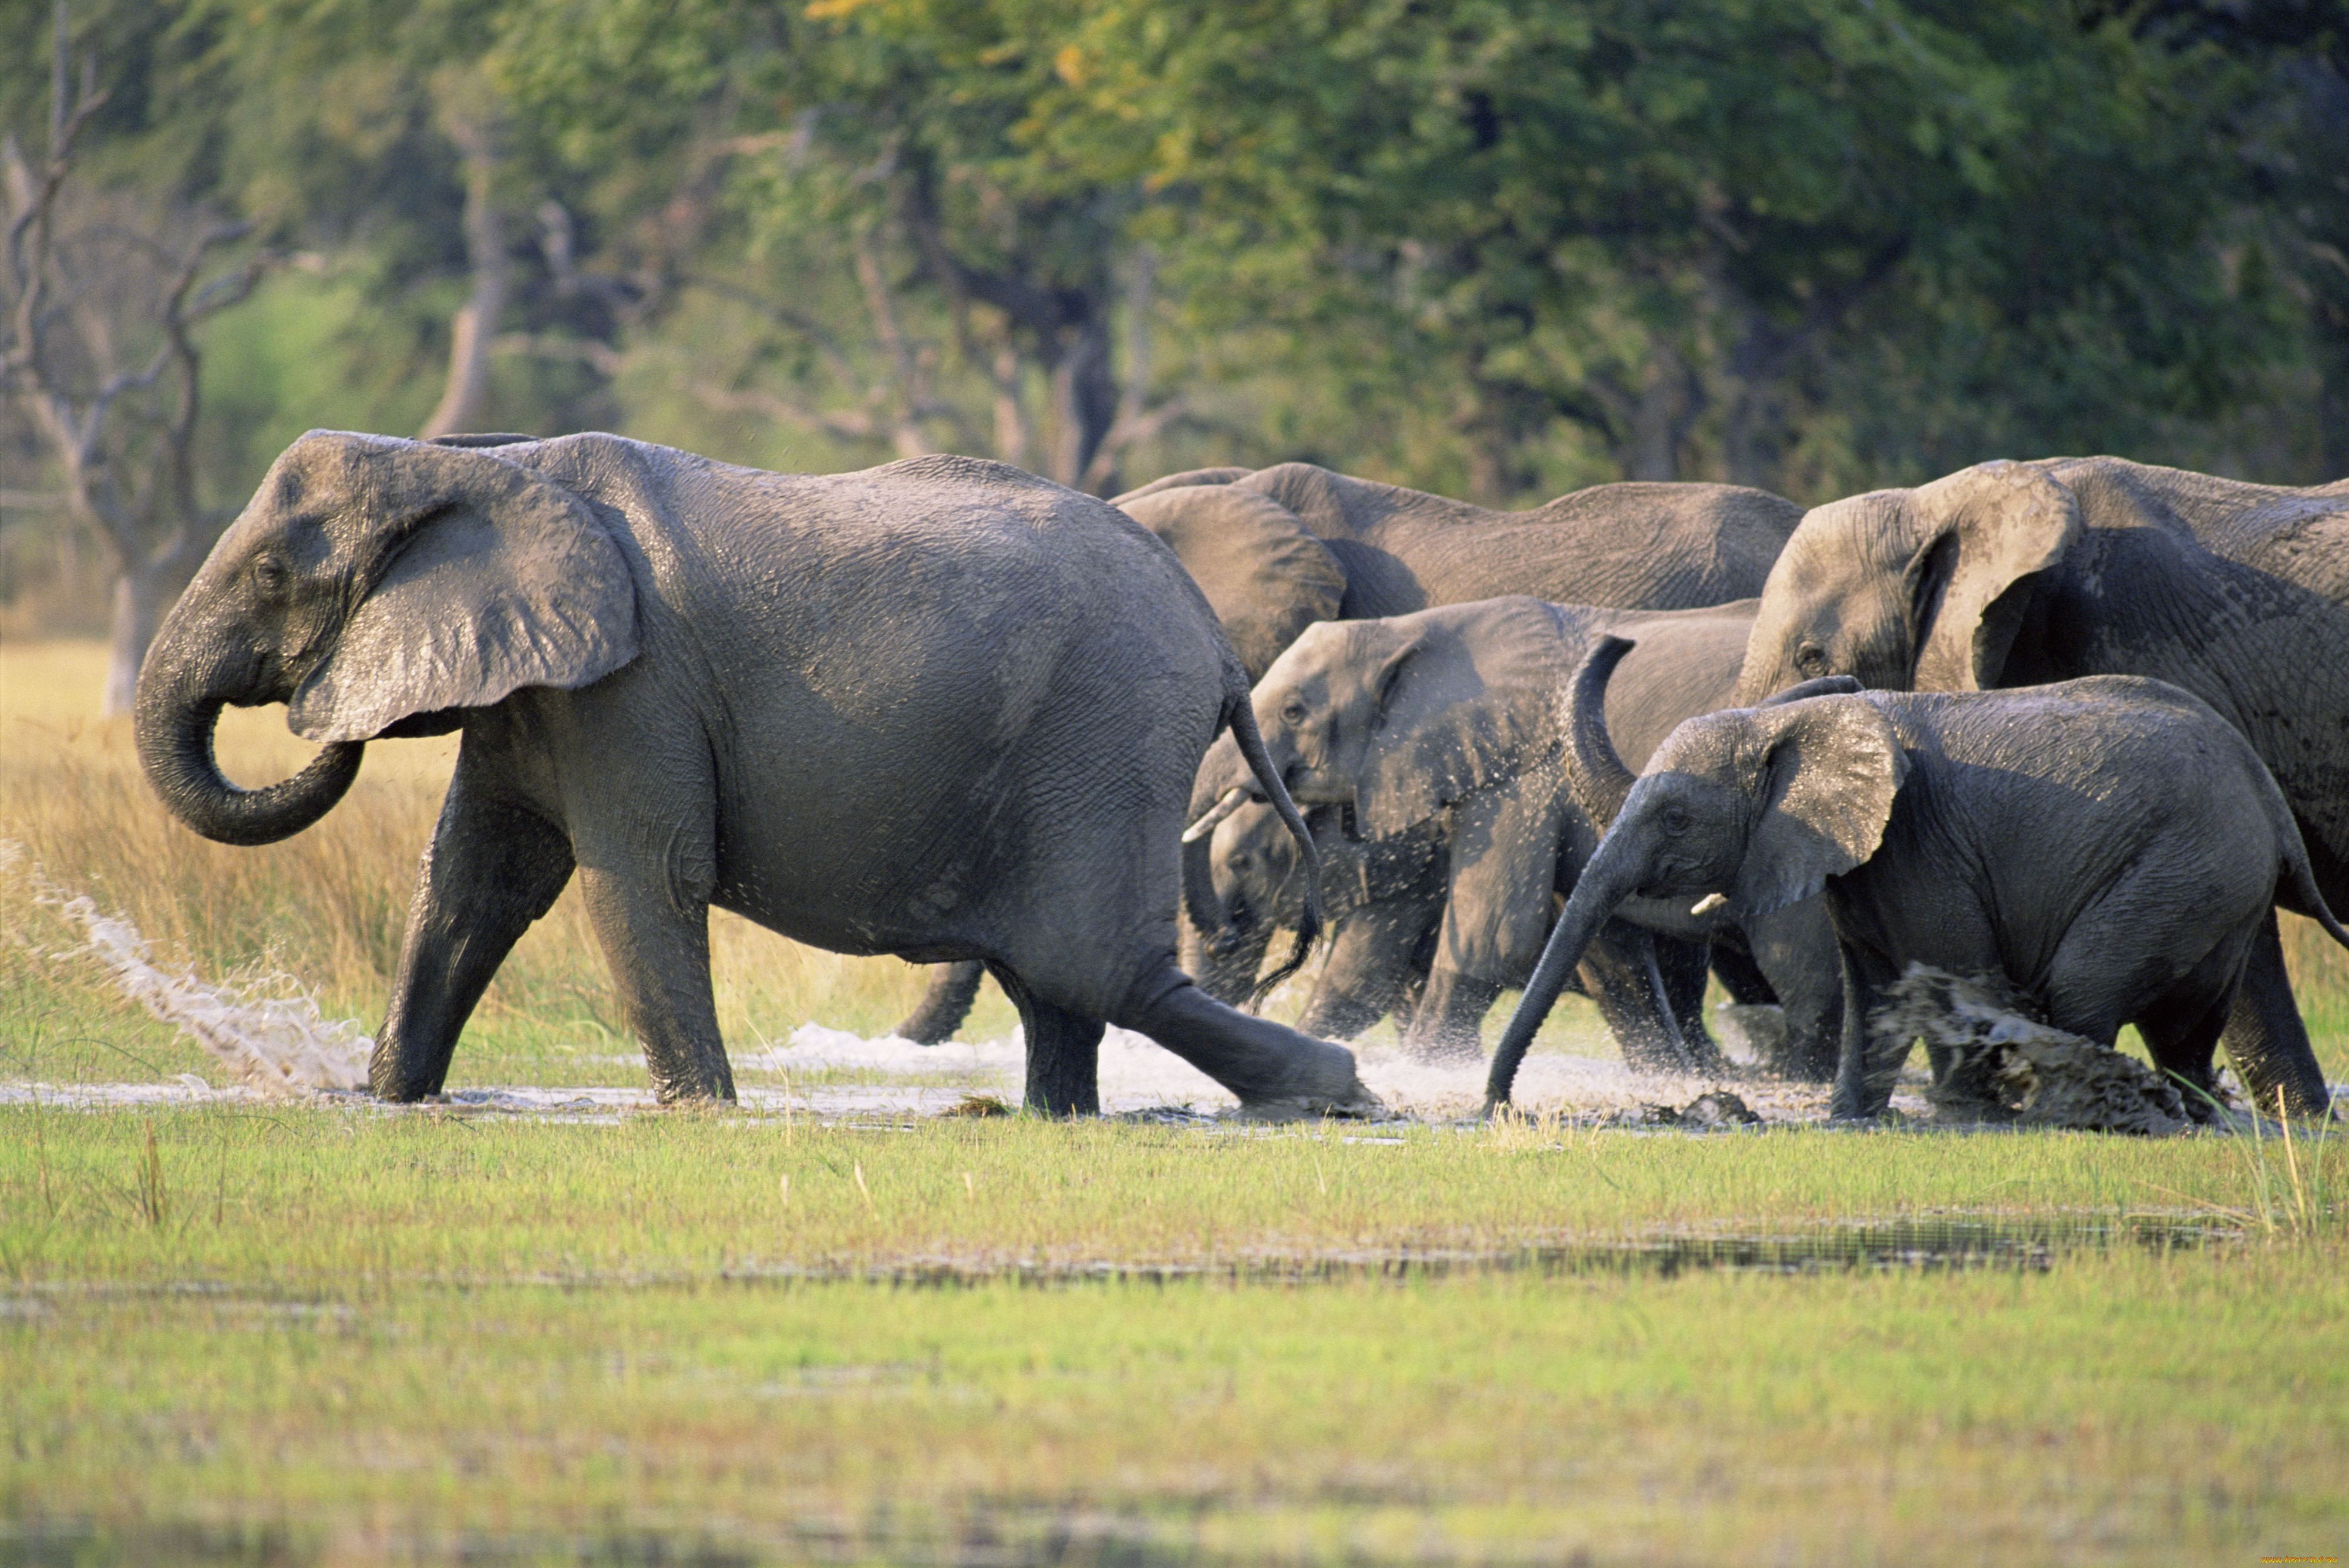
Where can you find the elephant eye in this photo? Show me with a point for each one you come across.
(269, 576)
(1811, 659)
(1675, 820)
(1294, 713)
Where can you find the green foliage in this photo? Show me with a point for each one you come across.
(1502, 248)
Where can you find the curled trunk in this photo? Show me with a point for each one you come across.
(175, 746)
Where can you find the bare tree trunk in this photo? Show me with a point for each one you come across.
(1084, 399)
(141, 594)
(1668, 405)
(476, 320)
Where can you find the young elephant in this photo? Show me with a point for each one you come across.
(1449, 721)
(1383, 901)
(2008, 575)
(942, 709)
(2109, 848)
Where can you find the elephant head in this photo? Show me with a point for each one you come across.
(378, 588)
(1755, 808)
(1254, 891)
(1264, 573)
(1400, 718)
(1922, 589)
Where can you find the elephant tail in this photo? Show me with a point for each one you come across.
(2297, 889)
(1240, 715)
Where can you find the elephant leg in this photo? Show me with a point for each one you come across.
(2181, 1035)
(1795, 949)
(1683, 967)
(1063, 1053)
(1741, 975)
(953, 988)
(1865, 1075)
(491, 869)
(1369, 966)
(2265, 1037)
(1620, 973)
(1448, 1023)
(1337, 1012)
(658, 950)
(1258, 1060)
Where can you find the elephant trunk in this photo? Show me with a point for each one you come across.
(1612, 876)
(174, 727)
(1594, 769)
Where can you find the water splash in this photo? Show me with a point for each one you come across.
(1136, 1074)
(281, 1044)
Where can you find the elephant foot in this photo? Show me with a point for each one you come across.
(701, 1083)
(1264, 1064)
(1325, 1084)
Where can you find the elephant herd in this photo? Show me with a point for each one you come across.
(2080, 725)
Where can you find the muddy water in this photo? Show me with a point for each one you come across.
(1935, 1244)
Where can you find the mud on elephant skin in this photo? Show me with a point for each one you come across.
(942, 709)
(2019, 574)
(1278, 549)
(2107, 848)
(1448, 722)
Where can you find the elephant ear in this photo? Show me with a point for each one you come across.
(1987, 532)
(1827, 773)
(480, 579)
(1265, 576)
(1458, 709)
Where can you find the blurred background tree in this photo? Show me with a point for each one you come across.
(1500, 248)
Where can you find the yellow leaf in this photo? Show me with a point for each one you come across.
(1070, 64)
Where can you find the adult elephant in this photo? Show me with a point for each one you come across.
(941, 708)
(2019, 574)
(1451, 720)
(1278, 549)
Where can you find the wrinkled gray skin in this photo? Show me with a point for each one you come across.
(1449, 720)
(2017, 574)
(1278, 549)
(2106, 848)
(941, 708)
(1383, 900)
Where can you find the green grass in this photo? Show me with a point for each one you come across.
(358, 1337)
(300, 1334)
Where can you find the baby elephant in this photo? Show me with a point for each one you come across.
(2108, 847)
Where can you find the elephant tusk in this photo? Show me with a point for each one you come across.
(1709, 903)
(1234, 798)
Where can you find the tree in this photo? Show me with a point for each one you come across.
(1690, 237)
(105, 292)
(869, 158)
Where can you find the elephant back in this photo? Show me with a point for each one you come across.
(1266, 576)
(2300, 536)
